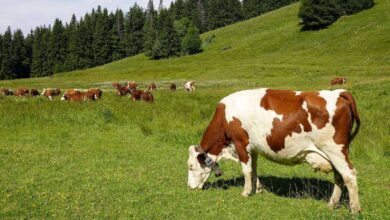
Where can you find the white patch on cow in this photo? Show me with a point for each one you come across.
(43, 92)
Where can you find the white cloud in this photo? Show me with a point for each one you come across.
(27, 14)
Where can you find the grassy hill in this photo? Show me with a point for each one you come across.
(118, 159)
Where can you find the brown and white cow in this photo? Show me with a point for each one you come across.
(173, 87)
(135, 95)
(121, 90)
(189, 86)
(284, 126)
(98, 92)
(132, 86)
(6, 92)
(147, 97)
(50, 93)
(338, 80)
(34, 92)
(152, 87)
(79, 96)
(22, 92)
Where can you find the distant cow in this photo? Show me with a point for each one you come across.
(287, 127)
(72, 91)
(147, 97)
(98, 92)
(173, 87)
(132, 86)
(34, 92)
(50, 93)
(80, 96)
(121, 90)
(189, 86)
(6, 92)
(152, 87)
(135, 95)
(338, 80)
(22, 92)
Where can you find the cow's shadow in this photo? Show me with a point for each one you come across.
(285, 187)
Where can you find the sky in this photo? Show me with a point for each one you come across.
(28, 14)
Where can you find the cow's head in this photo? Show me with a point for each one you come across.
(198, 171)
(64, 97)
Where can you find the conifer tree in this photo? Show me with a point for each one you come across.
(57, 47)
(72, 55)
(85, 38)
(7, 66)
(19, 57)
(118, 47)
(134, 30)
(191, 42)
(1, 53)
(150, 28)
(101, 37)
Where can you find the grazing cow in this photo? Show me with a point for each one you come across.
(135, 95)
(79, 96)
(132, 86)
(6, 92)
(122, 90)
(34, 92)
(147, 97)
(115, 84)
(338, 80)
(189, 86)
(22, 92)
(50, 93)
(173, 87)
(98, 92)
(152, 87)
(284, 126)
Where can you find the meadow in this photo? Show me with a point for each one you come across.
(115, 158)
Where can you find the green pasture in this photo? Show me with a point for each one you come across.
(115, 158)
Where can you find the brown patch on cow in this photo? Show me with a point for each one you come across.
(316, 106)
(22, 92)
(98, 92)
(34, 92)
(152, 87)
(220, 133)
(132, 86)
(51, 92)
(288, 104)
(6, 92)
(343, 123)
(80, 96)
(338, 80)
(147, 97)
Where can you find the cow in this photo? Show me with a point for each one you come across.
(151, 87)
(122, 90)
(34, 92)
(132, 86)
(22, 92)
(6, 92)
(135, 95)
(189, 86)
(147, 97)
(50, 93)
(79, 96)
(173, 87)
(338, 80)
(98, 92)
(286, 127)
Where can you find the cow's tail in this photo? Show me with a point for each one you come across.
(348, 96)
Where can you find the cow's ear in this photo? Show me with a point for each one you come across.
(201, 159)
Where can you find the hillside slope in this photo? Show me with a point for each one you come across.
(267, 46)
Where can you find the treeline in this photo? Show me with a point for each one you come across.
(318, 14)
(101, 37)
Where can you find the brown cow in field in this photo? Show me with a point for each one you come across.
(98, 92)
(22, 92)
(152, 87)
(135, 95)
(6, 92)
(173, 87)
(288, 127)
(50, 93)
(147, 97)
(121, 90)
(338, 80)
(132, 86)
(34, 92)
(72, 91)
(79, 96)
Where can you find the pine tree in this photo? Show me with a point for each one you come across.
(28, 43)
(7, 66)
(19, 57)
(72, 55)
(150, 28)
(58, 47)
(134, 31)
(224, 12)
(178, 9)
(85, 36)
(317, 14)
(118, 47)
(101, 37)
(191, 42)
(1, 54)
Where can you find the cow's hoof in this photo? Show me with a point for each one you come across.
(261, 190)
(245, 194)
(333, 205)
(355, 209)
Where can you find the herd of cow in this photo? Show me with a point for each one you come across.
(130, 89)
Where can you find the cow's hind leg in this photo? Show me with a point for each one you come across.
(259, 188)
(337, 190)
(343, 166)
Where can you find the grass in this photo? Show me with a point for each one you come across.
(120, 159)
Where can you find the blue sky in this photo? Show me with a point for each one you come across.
(27, 14)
